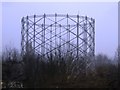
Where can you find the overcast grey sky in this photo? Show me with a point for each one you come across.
(105, 15)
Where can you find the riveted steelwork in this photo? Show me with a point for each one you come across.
(45, 34)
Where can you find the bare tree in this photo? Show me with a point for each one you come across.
(11, 67)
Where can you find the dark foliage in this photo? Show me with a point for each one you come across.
(56, 70)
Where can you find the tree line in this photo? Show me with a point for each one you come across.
(58, 71)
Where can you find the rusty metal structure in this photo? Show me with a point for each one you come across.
(45, 34)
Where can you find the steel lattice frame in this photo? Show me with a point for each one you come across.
(47, 33)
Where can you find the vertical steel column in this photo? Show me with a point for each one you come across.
(85, 46)
(94, 38)
(34, 35)
(60, 38)
(44, 32)
(22, 37)
(91, 38)
(51, 38)
(43, 36)
(77, 36)
(85, 37)
(93, 42)
(42, 45)
(68, 36)
(27, 43)
(55, 32)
